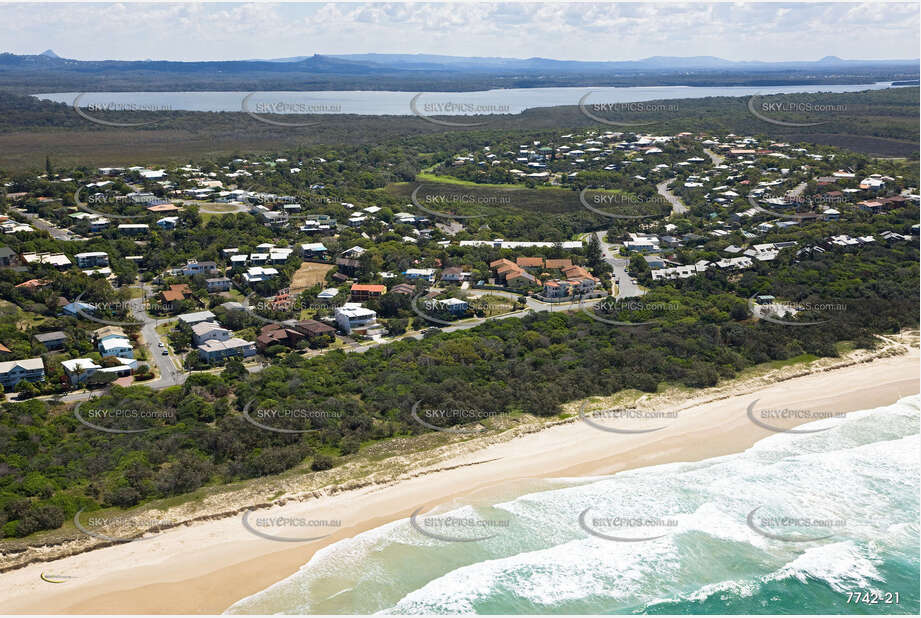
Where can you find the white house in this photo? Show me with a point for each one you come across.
(29, 369)
(352, 316)
(116, 346)
(92, 259)
(205, 331)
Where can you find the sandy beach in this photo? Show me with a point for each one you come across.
(207, 566)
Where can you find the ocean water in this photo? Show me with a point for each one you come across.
(793, 525)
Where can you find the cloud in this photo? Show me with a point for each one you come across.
(576, 31)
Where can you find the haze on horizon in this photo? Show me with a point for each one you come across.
(577, 31)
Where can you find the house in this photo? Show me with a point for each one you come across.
(452, 305)
(328, 294)
(313, 250)
(29, 369)
(313, 328)
(557, 264)
(8, 257)
(213, 349)
(115, 346)
(206, 331)
(133, 229)
(277, 334)
(58, 260)
(353, 317)
(519, 278)
(530, 262)
(108, 332)
(54, 340)
(75, 308)
(364, 291)
(454, 274)
(348, 266)
(168, 223)
(92, 259)
(255, 274)
(194, 267)
(403, 288)
(654, 261)
(426, 274)
(191, 319)
(176, 293)
(98, 224)
(78, 370)
(217, 284)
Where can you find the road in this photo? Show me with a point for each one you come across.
(715, 158)
(56, 232)
(626, 286)
(678, 206)
(168, 365)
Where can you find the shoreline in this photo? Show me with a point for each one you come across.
(207, 566)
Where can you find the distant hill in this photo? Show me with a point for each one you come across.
(48, 72)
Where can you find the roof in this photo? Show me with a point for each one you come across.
(203, 328)
(197, 316)
(28, 364)
(77, 364)
(530, 262)
(213, 345)
(558, 263)
(369, 287)
(54, 335)
(314, 327)
(118, 342)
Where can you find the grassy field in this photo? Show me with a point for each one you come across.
(309, 275)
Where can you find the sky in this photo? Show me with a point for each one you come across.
(567, 31)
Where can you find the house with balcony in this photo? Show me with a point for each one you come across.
(213, 349)
(366, 291)
(92, 259)
(352, 317)
(13, 372)
(119, 347)
(206, 331)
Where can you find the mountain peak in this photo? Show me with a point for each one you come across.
(49, 53)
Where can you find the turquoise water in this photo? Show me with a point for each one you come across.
(856, 484)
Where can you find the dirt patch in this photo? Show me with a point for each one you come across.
(308, 275)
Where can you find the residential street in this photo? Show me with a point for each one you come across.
(678, 206)
(626, 287)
